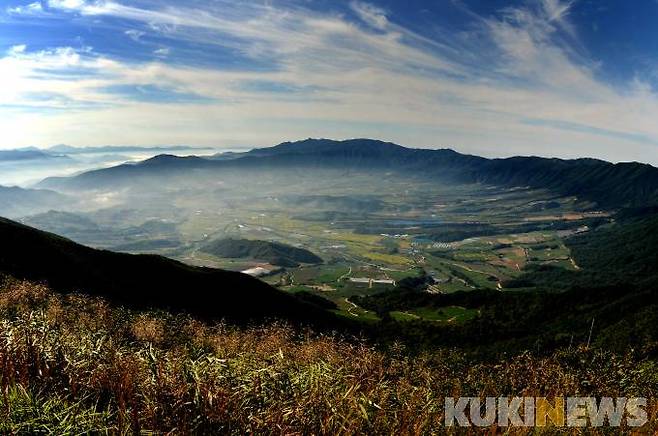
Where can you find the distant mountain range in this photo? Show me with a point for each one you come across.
(67, 149)
(62, 151)
(26, 166)
(29, 154)
(606, 184)
(145, 281)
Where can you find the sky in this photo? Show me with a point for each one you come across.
(558, 78)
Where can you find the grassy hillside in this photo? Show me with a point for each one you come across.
(271, 252)
(73, 364)
(143, 280)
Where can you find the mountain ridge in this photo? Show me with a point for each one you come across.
(23, 155)
(145, 281)
(604, 183)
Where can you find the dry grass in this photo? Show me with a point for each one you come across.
(72, 364)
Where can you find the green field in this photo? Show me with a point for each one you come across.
(364, 227)
(401, 239)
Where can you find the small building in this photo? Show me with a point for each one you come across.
(370, 282)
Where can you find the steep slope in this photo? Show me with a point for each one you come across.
(622, 255)
(144, 280)
(627, 250)
(608, 185)
(271, 252)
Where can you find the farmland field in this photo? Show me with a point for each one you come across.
(464, 237)
(371, 230)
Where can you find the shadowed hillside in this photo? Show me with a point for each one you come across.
(143, 280)
(271, 252)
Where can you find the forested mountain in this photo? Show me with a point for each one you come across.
(608, 185)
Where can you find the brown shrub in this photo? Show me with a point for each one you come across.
(146, 328)
(21, 294)
(164, 374)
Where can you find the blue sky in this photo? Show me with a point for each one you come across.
(566, 78)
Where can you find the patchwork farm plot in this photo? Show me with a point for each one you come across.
(370, 239)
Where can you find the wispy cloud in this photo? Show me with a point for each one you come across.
(135, 35)
(34, 8)
(153, 94)
(16, 50)
(515, 82)
(581, 128)
(370, 14)
(68, 4)
(162, 52)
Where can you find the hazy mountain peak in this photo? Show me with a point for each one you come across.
(322, 144)
(62, 148)
(599, 181)
(165, 159)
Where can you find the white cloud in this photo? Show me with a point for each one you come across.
(556, 10)
(134, 34)
(162, 52)
(16, 50)
(34, 78)
(66, 4)
(370, 14)
(34, 8)
(379, 80)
